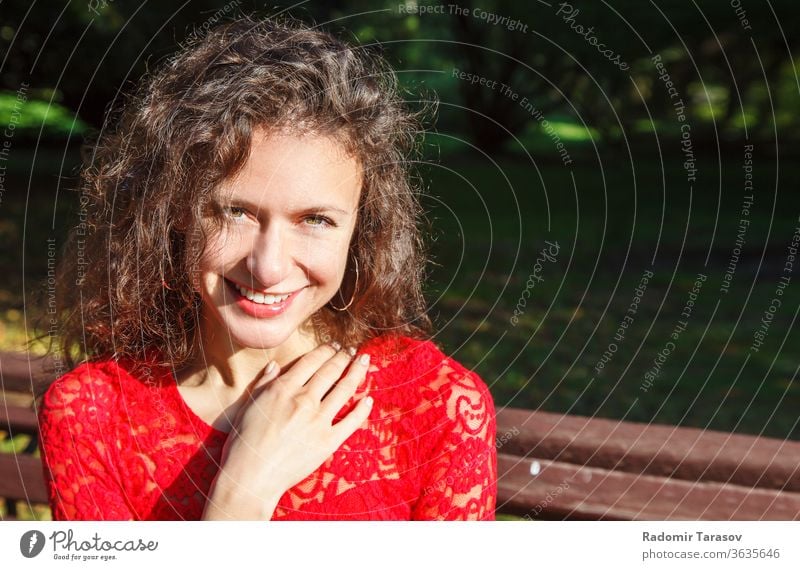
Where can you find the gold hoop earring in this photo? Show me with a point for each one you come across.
(353, 296)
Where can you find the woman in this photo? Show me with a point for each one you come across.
(244, 228)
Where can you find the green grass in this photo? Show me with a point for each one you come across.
(711, 380)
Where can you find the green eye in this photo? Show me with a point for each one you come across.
(236, 213)
(320, 221)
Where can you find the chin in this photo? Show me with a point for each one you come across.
(254, 336)
(256, 344)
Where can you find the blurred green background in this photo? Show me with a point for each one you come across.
(618, 199)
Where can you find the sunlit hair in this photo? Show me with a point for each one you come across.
(125, 285)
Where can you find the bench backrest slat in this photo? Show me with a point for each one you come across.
(690, 454)
(567, 491)
(21, 478)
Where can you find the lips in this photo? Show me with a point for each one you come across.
(260, 310)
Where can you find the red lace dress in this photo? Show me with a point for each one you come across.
(117, 447)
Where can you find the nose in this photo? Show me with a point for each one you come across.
(269, 260)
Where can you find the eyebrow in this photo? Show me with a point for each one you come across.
(305, 210)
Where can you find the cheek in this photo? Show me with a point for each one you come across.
(223, 249)
(328, 265)
(327, 262)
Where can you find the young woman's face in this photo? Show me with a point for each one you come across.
(287, 222)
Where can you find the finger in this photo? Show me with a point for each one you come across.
(352, 421)
(346, 387)
(328, 374)
(308, 364)
(271, 371)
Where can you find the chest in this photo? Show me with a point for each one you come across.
(372, 476)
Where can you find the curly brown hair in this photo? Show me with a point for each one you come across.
(188, 128)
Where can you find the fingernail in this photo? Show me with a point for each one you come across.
(364, 359)
(336, 345)
(368, 400)
(351, 351)
(271, 367)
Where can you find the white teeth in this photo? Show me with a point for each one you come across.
(260, 298)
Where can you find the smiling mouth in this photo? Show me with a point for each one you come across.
(260, 298)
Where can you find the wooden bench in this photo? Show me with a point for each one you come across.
(21, 475)
(552, 466)
(568, 467)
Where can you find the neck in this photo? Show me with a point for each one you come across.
(220, 363)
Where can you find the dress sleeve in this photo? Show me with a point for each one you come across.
(78, 449)
(458, 454)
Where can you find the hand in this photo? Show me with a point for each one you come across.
(285, 432)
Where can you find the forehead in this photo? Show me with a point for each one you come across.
(287, 168)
